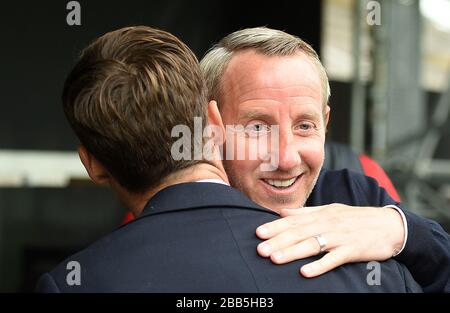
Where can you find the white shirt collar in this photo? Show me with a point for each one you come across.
(212, 180)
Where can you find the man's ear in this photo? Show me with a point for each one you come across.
(327, 115)
(214, 118)
(96, 171)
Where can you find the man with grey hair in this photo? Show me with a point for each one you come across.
(265, 79)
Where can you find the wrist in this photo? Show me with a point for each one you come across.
(400, 228)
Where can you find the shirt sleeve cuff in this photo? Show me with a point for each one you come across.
(405, 226)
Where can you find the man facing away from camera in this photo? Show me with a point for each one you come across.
(129, 91)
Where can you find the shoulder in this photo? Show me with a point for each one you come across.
(142, 254)
(47, 284)
(347, 187)
(94, 264)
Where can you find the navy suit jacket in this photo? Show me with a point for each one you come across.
(200, 237)
(427, 250)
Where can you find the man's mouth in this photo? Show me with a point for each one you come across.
(281, 183)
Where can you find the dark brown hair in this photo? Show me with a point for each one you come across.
(128, 90)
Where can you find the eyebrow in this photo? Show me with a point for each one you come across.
(252, 115)
(311, 116)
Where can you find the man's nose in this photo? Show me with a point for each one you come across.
(289, 153)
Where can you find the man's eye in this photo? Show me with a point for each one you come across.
(257, 129)
(305, 126)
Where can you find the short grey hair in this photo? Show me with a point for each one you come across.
(267, 41)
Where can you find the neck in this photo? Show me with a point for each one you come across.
(136, 202)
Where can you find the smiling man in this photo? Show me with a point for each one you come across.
(264, 78)
(283, 91)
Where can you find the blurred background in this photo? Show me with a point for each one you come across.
(388, 63)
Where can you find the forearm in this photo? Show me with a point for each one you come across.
(427, 253)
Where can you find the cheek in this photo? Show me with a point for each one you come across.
(312, 154)
(243, 168)
(242, 172)
(242, 156)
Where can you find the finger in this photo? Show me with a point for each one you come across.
(287, 238)
(271, 229)
(306, 248)
(300, 211)
(329, 261)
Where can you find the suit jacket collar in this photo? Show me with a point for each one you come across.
(195, 195)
